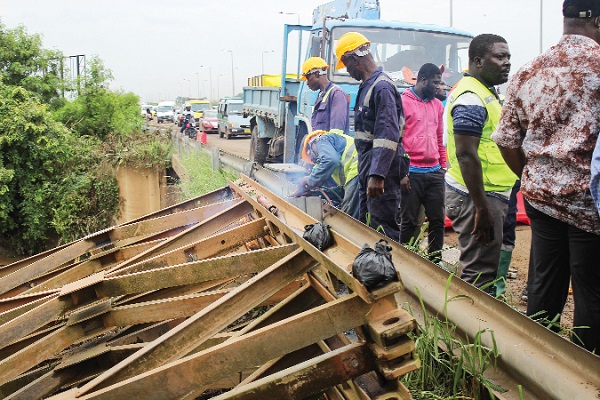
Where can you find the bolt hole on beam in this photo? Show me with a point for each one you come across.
(223, 241)
(391, 321)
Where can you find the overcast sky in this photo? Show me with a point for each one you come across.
(157, 49)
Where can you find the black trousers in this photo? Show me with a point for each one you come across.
(559, 253)
(427, 189)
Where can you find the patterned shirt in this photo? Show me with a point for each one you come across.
(552, 111)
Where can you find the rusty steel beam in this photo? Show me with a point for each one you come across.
(203, 248)
(152, 226)
(197, 232)
(290, 220)
(39, 351)
(198, 328)
(193, 272)
(255, 348)
(44, 265)
(309, 377)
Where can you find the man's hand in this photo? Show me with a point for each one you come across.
(302, 188)
(375, 186)
(483, 229)
(405, 184)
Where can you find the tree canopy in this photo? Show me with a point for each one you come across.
(57, 156)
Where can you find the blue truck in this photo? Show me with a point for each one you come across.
(280, 116)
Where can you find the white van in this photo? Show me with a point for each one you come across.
(166, 111)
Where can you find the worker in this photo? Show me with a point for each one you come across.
(424, 184)
(547, 133)
(478, 182)
(330, 111)
(378, 124)
(333, 157)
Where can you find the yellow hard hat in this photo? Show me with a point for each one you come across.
(348, 42)
(307, 140)
(312, 63)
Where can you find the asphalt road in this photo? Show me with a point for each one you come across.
(239, 146)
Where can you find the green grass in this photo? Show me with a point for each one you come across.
(450, 368)
(201, 178)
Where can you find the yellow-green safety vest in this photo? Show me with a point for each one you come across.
(349, 160)
(497, 176)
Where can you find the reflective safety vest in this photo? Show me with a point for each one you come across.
(497, 176)
(349, 160)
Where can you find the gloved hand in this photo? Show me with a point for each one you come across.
(303, 188)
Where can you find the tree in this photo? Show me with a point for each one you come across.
(98, 111)
(23, 62)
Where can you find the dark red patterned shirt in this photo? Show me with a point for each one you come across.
(552, 111)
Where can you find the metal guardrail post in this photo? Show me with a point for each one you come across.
(216, 163)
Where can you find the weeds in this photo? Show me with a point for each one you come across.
(201, 178)
(450, 369)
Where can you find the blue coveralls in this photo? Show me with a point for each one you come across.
(333, 112)
(380, 152)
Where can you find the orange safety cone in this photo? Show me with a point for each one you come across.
(201, 137)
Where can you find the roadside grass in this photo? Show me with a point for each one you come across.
(451, 369)
(201, 178)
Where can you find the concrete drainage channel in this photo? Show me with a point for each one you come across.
(165, 306)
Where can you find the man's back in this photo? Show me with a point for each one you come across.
(554, 99)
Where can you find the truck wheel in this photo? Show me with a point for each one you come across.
(259, 147)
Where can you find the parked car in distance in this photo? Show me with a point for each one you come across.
(209, 122)
(231, 120)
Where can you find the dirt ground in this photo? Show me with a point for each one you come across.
(519, 262)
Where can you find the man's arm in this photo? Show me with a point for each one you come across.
(386, 134)
(515, 159)
(338, 113)
(470, 167)
(440, 137)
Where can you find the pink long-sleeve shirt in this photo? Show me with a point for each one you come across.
(424, 130)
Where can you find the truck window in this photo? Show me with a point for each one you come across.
(235, 108)
(400, 51)
(200, 106)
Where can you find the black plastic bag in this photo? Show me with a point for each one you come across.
(318, 235)
(373, 268)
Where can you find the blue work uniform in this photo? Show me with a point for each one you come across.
(331, 110)
(378, 130)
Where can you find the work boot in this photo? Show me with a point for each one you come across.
(503, 264)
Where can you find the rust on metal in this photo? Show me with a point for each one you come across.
(221, 292)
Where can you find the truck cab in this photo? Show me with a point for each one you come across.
(281, 117)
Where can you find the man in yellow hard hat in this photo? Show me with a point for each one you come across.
(378, 124)
(330, 111)
(334, 165)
